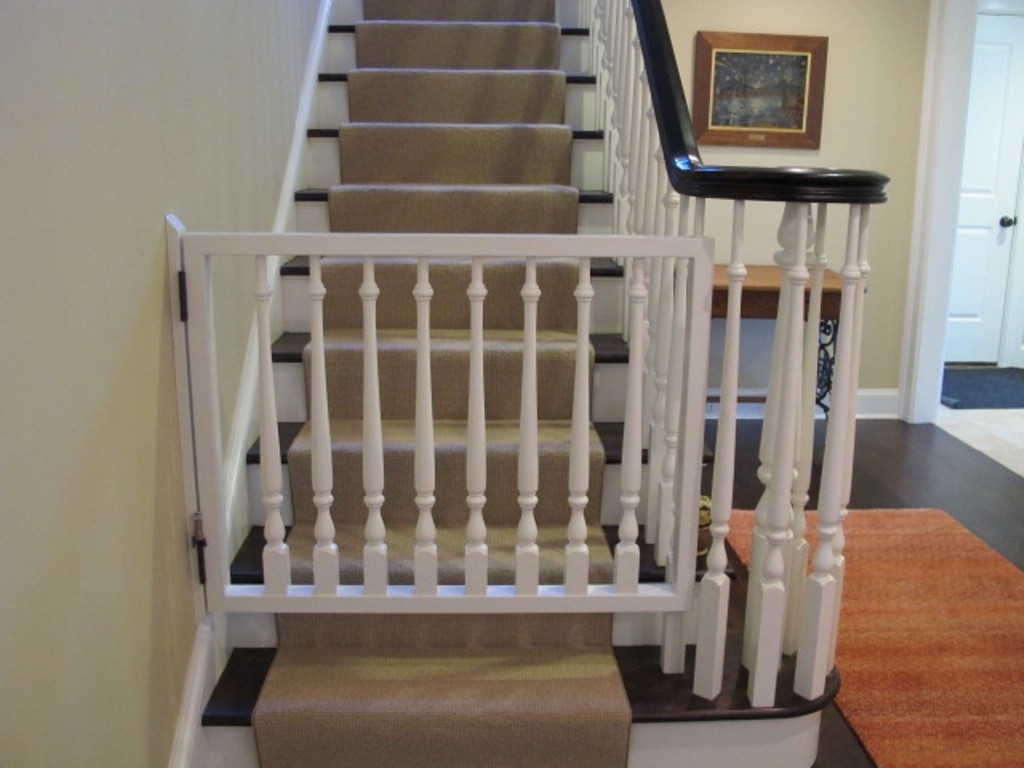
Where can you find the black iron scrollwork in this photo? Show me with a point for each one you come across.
(827, 332)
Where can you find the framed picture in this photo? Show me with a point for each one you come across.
(759, 90)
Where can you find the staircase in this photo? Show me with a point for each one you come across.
(453, 568)
(455, 126)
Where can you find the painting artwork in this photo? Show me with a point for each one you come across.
(759, 90)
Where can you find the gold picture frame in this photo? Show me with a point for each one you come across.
(754, 90)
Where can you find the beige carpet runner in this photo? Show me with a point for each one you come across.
(457, 125)
(457, 45)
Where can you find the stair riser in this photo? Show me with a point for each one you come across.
(323, 160)
(502, 370)
(607, 308)
(400, 512)
(259, 630)
(571, 13)
(610, 513)
(609, 383)
(789, 742)
(607, 404)
(580, 105)
(340, 54)
(594, 218)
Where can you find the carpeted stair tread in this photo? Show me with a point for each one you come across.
(429, 153)
(457, 45)
(451, 543)
(508, 209)
(396, 356)
(449, 306)
(503, 708)
(460, 10)
(450, 509)
(456, 96)
(515, 691)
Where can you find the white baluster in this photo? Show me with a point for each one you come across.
(839, 542)
(680, 566)
(627, 552)
(635, 133)
(425, 551)
(674, 211)
(276, 559)
(661, 343)
(599, 64)
(652, 158)
(664, 514)
(624, 106)
(814, 659)
(476, 440)
(674, 395)
(769, 583)
(715, 586)
(699, 211)
(650, 346)
(577, 553)
(614, 67)
(325, 552)
(527, 552)
(375, 550)
(638, 161)
(799, 551)
(609, 65)
(662, 203)
(766, 454)
(592, 20)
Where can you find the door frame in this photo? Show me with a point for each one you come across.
(950, 53)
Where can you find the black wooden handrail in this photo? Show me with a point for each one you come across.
(687, 172)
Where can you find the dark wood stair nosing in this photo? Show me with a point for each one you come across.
(579, 134)
(342, 77)
(350, 29)
(319, 195)
(608, 347)
(298, 266)
(233, 698)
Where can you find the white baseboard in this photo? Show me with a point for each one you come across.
(878, 403)
(765, 743)
(871, 404)
(199, 681)
(790, 742)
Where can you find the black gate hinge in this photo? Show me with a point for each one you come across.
(199, 544)
(182, 296)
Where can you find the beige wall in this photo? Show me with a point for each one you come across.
(114, 113)
(871, 120)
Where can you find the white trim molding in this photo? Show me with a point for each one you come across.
(878, 403)
(198, 684)
(940, 160)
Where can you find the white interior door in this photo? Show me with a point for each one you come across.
(981, 293)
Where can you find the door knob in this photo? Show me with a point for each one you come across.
(1008, 221)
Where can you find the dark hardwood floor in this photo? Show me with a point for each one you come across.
(900, 465)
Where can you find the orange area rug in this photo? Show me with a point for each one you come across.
(931, 640)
